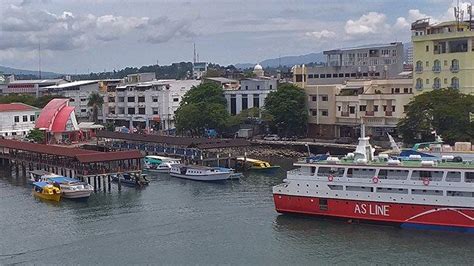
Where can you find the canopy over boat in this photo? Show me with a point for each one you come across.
(63, 179)
(41, 184)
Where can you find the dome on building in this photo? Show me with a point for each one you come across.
(257, 67)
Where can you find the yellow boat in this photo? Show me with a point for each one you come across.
(46, 191)
(253, 164)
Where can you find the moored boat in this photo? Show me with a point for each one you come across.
(159, 164)
(200, 173)
(36, 175)
(255, 165)
(131, 179)
(431, 194)
(72, 188)
(46, 191)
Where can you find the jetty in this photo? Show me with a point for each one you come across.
(90, 166)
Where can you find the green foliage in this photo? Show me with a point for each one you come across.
(39, 102)
(36, 135)
(95, 101)
(202, 107)
(287, 108)
(445, 110)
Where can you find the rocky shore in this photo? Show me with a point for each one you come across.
(263, 151)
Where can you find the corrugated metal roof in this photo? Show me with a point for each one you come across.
(201, 143)
(72, 84)
(12, 107)
(109, 156)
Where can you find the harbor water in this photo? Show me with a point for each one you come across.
(175, 221)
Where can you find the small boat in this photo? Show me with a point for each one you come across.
(233, 174)
(72, 188)
(200, 173)
(131, 179)
(159, 164)
(47, 191)
(36, 175)
(255, 165)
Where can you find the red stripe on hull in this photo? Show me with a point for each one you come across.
(376, 211)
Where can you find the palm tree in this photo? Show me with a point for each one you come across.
(95, 101)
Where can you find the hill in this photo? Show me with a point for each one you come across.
(287, 61)
(16, 71)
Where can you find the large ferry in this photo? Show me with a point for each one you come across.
(431, 194)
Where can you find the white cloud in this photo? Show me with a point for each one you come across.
(321, 35)
(369, 23)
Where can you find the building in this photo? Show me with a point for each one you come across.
(199, 69)
(17, 119)
(34, 87)
(58, 120)
(78, 93)
(225, 83)
(108, 84)
(146, 105)
(443, 56)
(252, 92)
(374, 62)
(338, 110)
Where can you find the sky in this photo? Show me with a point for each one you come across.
(82, 36)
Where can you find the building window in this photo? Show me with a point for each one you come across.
(376, 108)
(141, 111)
(141, 99)
(310, 76)
(175, 100)
(71, 100)
(322, 76)
(111, 110)
(454, 66)
(362, 108)
(258, 87)
(405, 108)
(405, 90)
(445, 81)
(324, 98)
(121, 99)
(233, 105)
(299, 78)
(316, 76)
(397, 90)
(457, 46)
(455, 83)
(154, 99)
(83, 110)
(245, 102)
(314, 98)
(256, 100)
(246, 87)
(131, 99)
(393, 108)
(437, 83)
(16, 119)
(131, 111)
(352, 109)
(121, 110)
(83, 99)
(271, 87)
(154, 110)
(427, 63)
(324, 112)
(419, 83)
(427, 48)
(25, 118)
(437, 66)
(427, 81)
(32, 118)
(111, 99)
(314, 112)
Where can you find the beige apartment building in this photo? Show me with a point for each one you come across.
(338, 110)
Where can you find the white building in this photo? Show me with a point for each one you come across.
(34, 87)
(149, 104)
(17, 119)
(78, 92)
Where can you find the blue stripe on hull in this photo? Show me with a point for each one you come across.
(437, 227)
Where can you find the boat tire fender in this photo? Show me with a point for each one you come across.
(330, 178)
(426, 181)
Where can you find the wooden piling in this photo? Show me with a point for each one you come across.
(95, 183)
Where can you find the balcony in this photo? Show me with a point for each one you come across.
(419, 69)
(436, 69)
(454, 68)
(388, 113)
(369, 113)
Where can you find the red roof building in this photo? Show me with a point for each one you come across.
(58, 119)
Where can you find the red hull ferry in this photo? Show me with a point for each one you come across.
(436, 194)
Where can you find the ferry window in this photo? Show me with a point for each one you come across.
(326, 171)
(360, 173)
(427, 192)
(453, 177)
(395, 174)
(431, 175)
(460, 194)
(362, 189)
(323, 204)
(395, 190)
(336, 187)
(469, 177)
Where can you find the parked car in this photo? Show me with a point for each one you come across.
(271, 137)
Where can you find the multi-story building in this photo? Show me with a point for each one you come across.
(374, 62)
(443, 56)
(225, 83)
(17, 119)
(149, 104)
(78, 92)
(34, 87)
(338, 110)
(252, 93)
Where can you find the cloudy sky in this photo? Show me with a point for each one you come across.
(95, 35)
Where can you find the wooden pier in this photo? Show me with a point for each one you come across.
(86, 165)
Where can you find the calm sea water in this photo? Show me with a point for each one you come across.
(176, 221)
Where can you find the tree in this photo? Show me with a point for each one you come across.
(203, 107)
(287, 107)
(95, 101)
(446, 111)
(36, 135)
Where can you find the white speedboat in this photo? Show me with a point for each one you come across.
(199, 173)
(70, 188)
(36, 175)
(159, 164)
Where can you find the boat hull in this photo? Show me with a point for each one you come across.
(215, 177)
(51, 197)
(76, 194)
(405, 215)
(164, 171)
